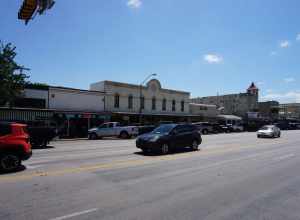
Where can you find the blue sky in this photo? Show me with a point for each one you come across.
(202, 46)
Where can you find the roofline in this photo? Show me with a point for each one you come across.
(201, 104)
(74, 89)
(216, 96)
(138, 86)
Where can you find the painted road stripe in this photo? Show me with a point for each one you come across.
(122, 164)
(75, 214)
(30, 167)
(284, 157)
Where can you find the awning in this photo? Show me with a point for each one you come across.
(156, 114)
(21, 114)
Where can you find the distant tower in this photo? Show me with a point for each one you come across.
(253, 90)
(253, 97)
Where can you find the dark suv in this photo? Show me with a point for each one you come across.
(168, 137)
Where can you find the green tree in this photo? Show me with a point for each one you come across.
(12, 78)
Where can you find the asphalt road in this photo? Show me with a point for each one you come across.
(233, 176)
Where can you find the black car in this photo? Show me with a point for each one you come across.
(168, 137)
(41, 136)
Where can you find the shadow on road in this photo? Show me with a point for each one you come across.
(42, 147)
(20, 169)
(157, 154)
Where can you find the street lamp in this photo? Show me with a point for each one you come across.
(141, 86)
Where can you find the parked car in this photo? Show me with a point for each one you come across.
(168, 137)
(283, 125)
(14, 146)
(219, 128)
(271, 131)
(294, 126)
(204, 127)
(113, 129)
(41, 136)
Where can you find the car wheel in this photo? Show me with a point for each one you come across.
(124, 135)
(92, 136)
(279, 134)
(45, 143)
(258, 136)
(9, 162)
(195, 145)
(165, 149)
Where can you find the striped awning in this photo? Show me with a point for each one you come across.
(25, 115)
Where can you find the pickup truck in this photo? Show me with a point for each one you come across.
(113, 129)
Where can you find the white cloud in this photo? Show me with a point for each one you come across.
(273, 53)
(292, 96)
(289, 80)
(284, 44)
(298, 37)
(213, 58)
(134, 3)
(260, 83)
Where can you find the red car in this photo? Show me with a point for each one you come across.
(14, 145)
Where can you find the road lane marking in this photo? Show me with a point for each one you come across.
(122, 164)
(31, 167)
(284, 157)
(75, 214)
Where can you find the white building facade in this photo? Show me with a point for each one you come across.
(68, 99)
(151, 99)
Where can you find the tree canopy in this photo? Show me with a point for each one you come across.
(12, 78)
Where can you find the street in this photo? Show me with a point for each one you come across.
(233, 176)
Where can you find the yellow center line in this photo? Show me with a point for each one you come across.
(124, 164)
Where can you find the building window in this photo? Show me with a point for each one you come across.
(173, 105)
(130, 102)
(153, 103)
(164, 105)
(142, 102)
(117, 101)
(182, 106)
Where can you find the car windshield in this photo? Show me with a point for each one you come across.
(163, 129)
(265, 128)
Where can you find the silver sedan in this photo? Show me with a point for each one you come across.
(271, 131)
